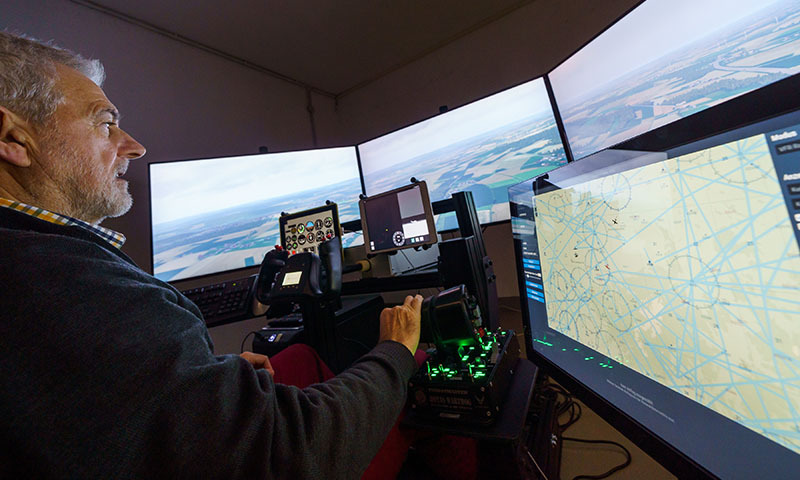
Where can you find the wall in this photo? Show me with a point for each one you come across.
(180, 102)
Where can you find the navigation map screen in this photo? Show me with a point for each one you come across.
(483, 147)
(685, 272)
(220, 214)
(668, 59)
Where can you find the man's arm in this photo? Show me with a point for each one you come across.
(400, 324)
(137, 388)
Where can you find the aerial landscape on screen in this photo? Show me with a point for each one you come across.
(615, 89)
(488, 146)
(195, 234)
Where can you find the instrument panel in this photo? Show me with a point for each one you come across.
(304, 231)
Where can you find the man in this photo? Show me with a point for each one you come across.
(109, 372)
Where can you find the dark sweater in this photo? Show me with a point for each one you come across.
(108, 372)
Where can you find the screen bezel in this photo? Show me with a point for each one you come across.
(426, 205)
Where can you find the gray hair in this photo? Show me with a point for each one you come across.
(28, 75)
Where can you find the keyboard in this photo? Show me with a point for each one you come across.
(224, 302)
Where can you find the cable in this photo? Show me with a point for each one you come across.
(605, 442)
(241, 349)
(536, 464)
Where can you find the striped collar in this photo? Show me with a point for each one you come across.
(114, 238)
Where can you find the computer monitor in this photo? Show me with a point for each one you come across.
(482, 147)
(398, 219)
(668, 59)
(666, 295)
(220, 214)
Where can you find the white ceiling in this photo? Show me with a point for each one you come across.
(331, 46)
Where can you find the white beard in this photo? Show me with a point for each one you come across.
(87, 191)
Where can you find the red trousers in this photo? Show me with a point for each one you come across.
(449, 457)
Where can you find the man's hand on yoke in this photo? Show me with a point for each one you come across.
(402, 323)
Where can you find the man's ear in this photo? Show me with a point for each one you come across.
(15, 139)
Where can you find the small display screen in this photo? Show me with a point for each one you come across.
(398, 219)
(291, 278)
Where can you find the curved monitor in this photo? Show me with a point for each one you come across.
(666, 292)
(482, 147)
(219, 214)
(668, 59)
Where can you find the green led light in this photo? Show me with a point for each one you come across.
(563, 349)
(577, 349)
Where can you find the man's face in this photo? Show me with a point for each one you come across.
(84, 152)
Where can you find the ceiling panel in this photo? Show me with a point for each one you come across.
(332, 46)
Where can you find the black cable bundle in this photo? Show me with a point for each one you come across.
(566, 405)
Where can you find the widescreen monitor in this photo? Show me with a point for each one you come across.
(219, 214)
(668, 293)
(668, 59)
(483, 147)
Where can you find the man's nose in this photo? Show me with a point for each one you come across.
(130, 148)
